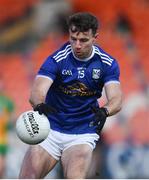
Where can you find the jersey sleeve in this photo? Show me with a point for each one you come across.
(49, 68)
(112, 73)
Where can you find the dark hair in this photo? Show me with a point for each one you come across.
(81, 22)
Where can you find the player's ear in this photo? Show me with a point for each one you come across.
(96, 35)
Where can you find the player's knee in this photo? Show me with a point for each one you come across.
(77, 170)
(27, 175)
(29, 172)
(75, 175)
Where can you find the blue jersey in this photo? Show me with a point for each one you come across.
(76, 87)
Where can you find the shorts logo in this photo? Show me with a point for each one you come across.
(96, 73)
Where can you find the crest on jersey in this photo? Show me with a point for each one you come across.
(96, 73)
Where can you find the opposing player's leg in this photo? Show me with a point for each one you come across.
(76, 161)
(3, 152)
(37, 163)
(2, 166)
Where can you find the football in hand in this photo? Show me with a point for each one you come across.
(32, 128)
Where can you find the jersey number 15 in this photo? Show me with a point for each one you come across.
(81, 73)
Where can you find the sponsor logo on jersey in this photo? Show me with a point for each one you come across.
(67, 72)
(77, 89)
(96, 73)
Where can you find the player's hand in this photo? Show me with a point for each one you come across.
(101, 115)
(44, 109)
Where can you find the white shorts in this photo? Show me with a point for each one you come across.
(57, 142)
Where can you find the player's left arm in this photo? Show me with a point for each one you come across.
(114, 98)
(114, 103)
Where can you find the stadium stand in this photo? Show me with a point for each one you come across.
(108, 39)
(12, 10)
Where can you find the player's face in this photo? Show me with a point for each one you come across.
(82, 43)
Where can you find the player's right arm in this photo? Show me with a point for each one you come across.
(44, 79)
(38, 95)
(39, 90)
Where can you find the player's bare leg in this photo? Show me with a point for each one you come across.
(36, 164)
(76, 161)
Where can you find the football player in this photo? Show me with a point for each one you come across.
(66, 90)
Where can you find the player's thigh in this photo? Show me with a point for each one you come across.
(76, 160)
(37, 163)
